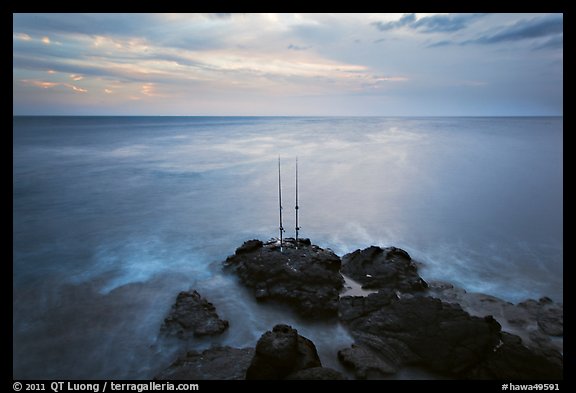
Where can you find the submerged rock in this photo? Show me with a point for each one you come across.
(383, 268)
(307, 278)
(220, 363)
(192, 315)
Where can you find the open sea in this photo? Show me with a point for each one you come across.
(113, 216)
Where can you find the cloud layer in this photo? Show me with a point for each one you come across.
(284, 64)
(430, 24)
(526, 29)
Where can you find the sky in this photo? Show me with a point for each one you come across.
(288, 64)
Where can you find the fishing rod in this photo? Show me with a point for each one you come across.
(280, 202)
(297, 227)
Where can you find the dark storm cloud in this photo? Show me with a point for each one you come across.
(430, 24)
(526, 29)
(445, 23)
(548, 27)
(405, 20)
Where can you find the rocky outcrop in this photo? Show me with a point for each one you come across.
(192, 315)
(284, 354)
(388, 268)
(366, 363)
(539, 323)
(392, 332)
(220, 363)
(308, 277)
(513, 361)
(281, 352)
(419, 330)
(437, 326)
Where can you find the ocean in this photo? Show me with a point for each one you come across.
(113, 216)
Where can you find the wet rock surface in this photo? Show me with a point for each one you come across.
(392, 332)
(514, 361)
(219, 363)
(539, 323)
(434, 326)
(365, 362)
(388, 268)
(307, 278)
(317, 373)
(192, 315)
(284, 354)
(419, 330)
(281, 352)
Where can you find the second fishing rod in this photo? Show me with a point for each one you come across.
(297, 207)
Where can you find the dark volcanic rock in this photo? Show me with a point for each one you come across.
(419, 330)
(282, 352)
(540, 324)
(365, 362)
(439, 336)
(192, 315)
(248, 246)
(379, 268)
(308, 278)
(549, 315)
(511, 360)
(317, 373)
(220, 363)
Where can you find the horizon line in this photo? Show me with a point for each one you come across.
(295, 116)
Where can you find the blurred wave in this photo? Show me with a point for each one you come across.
(113, 216)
